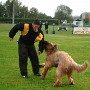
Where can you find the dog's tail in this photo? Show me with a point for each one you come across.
(82, 67)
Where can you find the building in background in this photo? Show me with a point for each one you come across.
(82, 24)
(83, 20)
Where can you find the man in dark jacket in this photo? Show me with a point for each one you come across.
(30, 33)
(46, 27)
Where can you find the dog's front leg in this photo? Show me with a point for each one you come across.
(45, 70)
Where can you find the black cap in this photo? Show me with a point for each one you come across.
(37, 22)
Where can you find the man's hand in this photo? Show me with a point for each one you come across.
(10, 39)
(39, 52)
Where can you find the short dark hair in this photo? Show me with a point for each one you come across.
(37, 22)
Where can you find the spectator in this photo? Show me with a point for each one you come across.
(46, 27)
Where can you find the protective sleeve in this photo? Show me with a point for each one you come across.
(15, 29)
(41, 47)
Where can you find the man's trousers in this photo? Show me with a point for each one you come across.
(24, 52)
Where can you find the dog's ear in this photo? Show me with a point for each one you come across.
(45, 42)
(55, 46)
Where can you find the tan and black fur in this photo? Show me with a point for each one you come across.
(64, 62)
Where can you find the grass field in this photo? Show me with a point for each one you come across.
(78, 46)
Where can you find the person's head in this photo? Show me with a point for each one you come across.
(46, 21)
(36, 25)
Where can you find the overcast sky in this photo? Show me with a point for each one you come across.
(49, 6)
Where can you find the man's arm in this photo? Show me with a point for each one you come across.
(15, 29)
(41, 48)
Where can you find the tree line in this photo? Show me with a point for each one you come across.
(21, 11)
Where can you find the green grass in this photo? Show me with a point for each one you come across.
(78, 46)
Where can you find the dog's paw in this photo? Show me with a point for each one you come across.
(56, 84)
(42, 78)
(42, 65)
(72, 83)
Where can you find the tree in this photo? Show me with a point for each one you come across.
(63, 13)
(33, 13)
(8, 7)
(43, 16)
(20, 11)
(2, 10)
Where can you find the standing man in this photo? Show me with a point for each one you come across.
(30, 33)
(46, 27)
(40, 24)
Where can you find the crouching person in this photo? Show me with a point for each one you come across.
(30, 33)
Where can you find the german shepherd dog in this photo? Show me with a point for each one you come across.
(63, 61)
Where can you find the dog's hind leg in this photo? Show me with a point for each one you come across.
(58, 77)
(70, 79)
